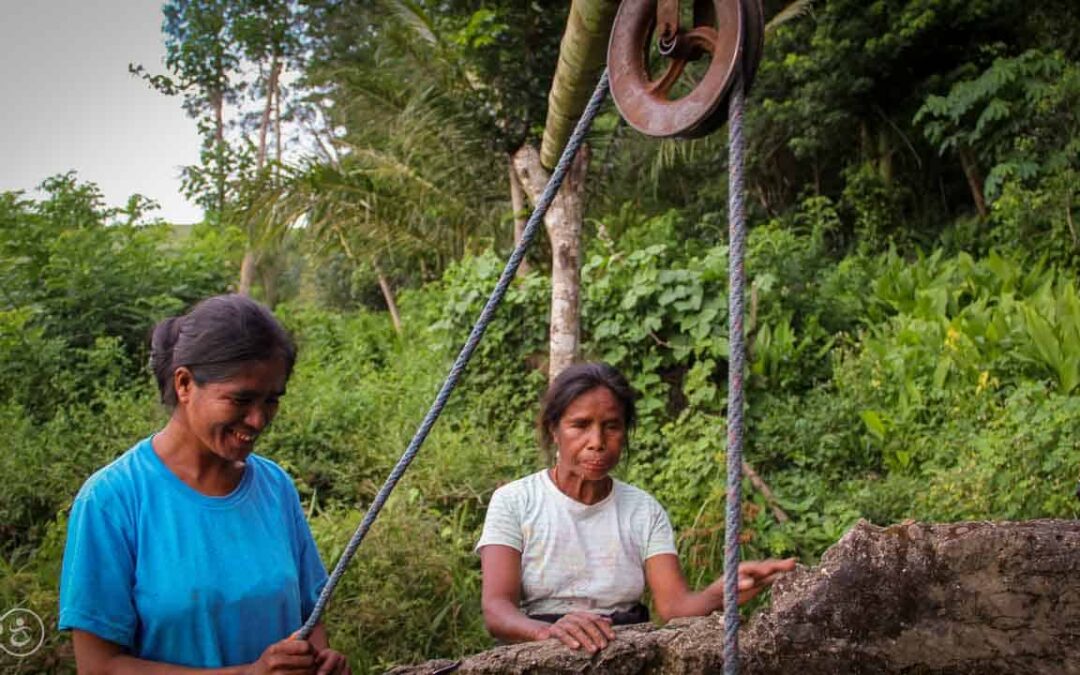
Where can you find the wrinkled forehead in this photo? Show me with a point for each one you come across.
(599, 401)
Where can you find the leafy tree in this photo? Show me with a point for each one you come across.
(835, 99)
(408, 183)
(211, 46)
(1018, 118)
(268, 34)
(494, 59)
(201, 58)
(400, 203)
(82, 284)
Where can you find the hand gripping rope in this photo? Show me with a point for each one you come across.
(731, 32)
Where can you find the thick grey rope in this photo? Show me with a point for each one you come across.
(531, 228)
(736, 367)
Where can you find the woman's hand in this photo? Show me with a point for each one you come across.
(287, 656)
(673, 598)
(331, 662)
(580, 630)
(757, 575)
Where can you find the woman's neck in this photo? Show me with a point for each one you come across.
(193, 463)
(579, 489)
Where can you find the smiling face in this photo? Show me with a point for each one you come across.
(226, 417)
(590, 435)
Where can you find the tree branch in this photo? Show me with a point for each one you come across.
(762, 487)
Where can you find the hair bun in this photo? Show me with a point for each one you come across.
(162, 343)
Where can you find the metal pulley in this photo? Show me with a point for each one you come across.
(660, 79)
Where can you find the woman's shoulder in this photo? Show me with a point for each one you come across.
(522, 489)
(116, 479)
(632, 496)
(113, 492)
(270, 469)
(276, 483)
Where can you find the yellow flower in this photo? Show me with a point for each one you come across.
(952, 338)
(984, 382)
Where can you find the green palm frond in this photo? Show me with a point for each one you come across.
(791, 12)
(413, 16)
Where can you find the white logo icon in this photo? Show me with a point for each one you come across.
(21, 632)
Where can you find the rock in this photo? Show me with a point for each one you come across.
(957, 598)
(952, 599)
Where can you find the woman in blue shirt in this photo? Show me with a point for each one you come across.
(188, 551)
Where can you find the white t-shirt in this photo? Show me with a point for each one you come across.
(577, 556)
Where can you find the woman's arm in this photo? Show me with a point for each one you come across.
(330, 662)
(94, 656)
(673, 598)
(501, 597)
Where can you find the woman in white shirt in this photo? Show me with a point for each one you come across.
(567, 552)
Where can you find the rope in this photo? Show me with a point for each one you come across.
(736, 366)
(531, 228)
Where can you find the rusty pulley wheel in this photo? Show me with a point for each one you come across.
(671, 102)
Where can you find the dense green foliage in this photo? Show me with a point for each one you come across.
(914, 321)
(82, 284)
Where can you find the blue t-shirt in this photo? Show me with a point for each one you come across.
(180, 577)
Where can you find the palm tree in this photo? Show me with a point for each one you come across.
(581, 59)
(407, 187)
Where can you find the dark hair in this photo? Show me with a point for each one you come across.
(214, 339)
(575, 381)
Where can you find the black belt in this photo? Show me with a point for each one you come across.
(639, 613)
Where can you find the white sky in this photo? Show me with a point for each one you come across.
(68, 102)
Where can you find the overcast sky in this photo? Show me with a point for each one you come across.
(68, 102)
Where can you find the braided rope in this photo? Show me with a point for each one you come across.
(736, 367)
(527, 236)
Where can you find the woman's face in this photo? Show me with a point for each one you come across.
(228, 416)
(589, 436)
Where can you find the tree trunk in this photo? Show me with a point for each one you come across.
(247, 267)
(1068, 212)
(974, 180)
(865, 152)
(517, 203)
(563, 223)
(582, 53)
(264, 123)
(269, 272)
(388, 296)
(277, 116)
(885, 156)
(247, 273)
(217, 101)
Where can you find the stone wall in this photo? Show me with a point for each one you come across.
(950, 599)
